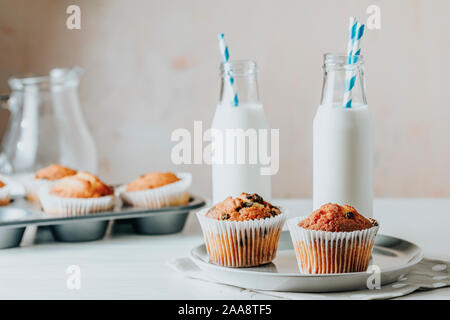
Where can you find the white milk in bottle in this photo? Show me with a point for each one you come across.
(343, 141)
(236, 164)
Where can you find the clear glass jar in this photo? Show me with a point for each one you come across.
(46, 125)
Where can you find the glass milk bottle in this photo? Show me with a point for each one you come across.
(343, 140)
(236, 165)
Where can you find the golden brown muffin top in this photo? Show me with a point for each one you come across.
(81, 185)
(54, 172)
(245, 207)
(152, 180)
(336, 218)
(2, 184)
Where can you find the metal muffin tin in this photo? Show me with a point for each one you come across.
(11, 236)
(20, 214)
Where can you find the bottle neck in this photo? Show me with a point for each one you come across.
(239, 77)
(338, 76)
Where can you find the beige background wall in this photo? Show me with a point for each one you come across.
(152, 66)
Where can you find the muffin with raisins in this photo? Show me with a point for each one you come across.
(242, 231)
(333, 239)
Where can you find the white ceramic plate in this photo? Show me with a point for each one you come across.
(393, 256)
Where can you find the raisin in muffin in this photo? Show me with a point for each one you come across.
(157, 189)
(333, 239)
(79, 194)
(46, 177)
(242, 231)
(5, 198)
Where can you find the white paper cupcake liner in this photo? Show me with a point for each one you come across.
(33, 186)
(4, 196)
(174, 194)
(73, 206)
(241, 243)
(320, 252)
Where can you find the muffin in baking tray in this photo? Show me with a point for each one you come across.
(156, 190)
(79, 194)
(333, 239)
(242, 231)
(5, 198)
(46, 177)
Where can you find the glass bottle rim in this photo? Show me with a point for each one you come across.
(239, 68)
(57, 75)
(20, 81)
(340, 61)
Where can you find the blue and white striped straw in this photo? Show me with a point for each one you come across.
(351, 34)
(227, 70)
(356, 31)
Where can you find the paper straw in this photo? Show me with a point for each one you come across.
(226, 65)
(351, 35)
(356, 31)
(352, 27)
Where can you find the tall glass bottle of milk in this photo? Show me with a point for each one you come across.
(343, 140)
(236, 165)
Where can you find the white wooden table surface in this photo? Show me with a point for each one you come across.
(135, 267)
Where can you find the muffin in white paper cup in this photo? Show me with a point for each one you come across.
(5, 197)
(238, 244)
(172, 194)
(33, 186)
(47, 176)
(325, 252)
(54, 204)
